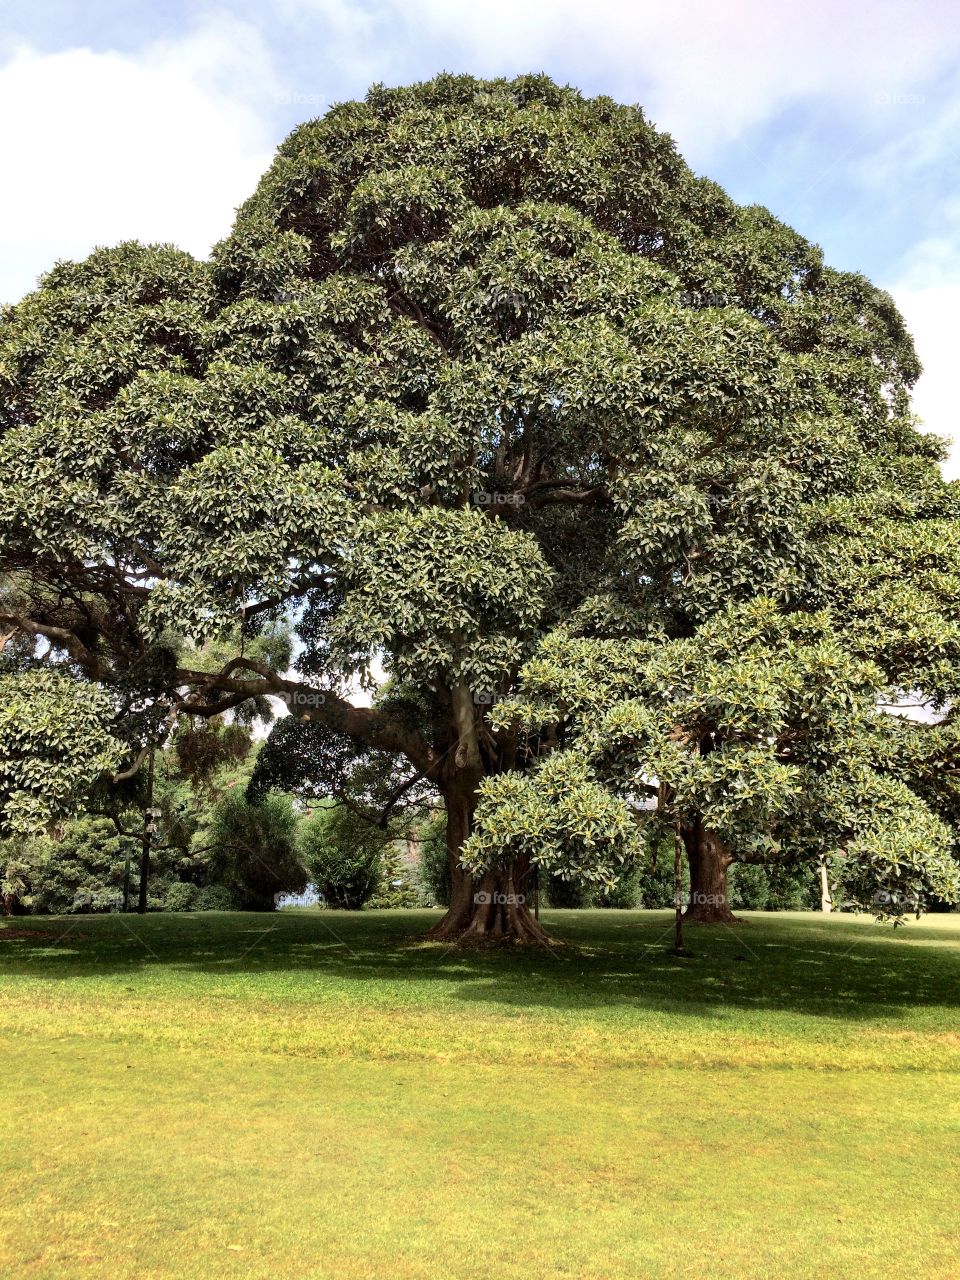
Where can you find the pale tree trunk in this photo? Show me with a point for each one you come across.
(709, 860)
(494, 907)
(826, 901)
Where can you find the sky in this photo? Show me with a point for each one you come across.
(154, 121)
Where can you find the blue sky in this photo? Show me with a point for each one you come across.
(154, 120)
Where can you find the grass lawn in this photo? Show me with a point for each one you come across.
(318, 1094)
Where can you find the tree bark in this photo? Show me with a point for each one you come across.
(493, 908)
(709, 860)
(826, 899)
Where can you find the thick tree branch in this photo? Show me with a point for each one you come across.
(547, 493)
(368, 724)
(62, 637)
(134, 768)
(404, 306)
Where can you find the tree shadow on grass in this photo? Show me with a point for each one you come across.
(838, 967)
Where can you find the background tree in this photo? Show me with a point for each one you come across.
(368, 808)
(482, 367)
(343, 855)
(254, 849)
(82, 864)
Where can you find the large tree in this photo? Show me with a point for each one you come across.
(768, 743)
(483, 367)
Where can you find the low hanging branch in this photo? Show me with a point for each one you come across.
(368, 724)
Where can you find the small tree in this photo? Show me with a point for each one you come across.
(343, 854)
(254, 849)
(80, 871)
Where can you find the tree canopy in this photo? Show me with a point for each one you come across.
(487, 385)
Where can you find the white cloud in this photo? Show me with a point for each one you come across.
(345, 46)
(927, 291)
(931, 316)
(705, 71)
(157, 146)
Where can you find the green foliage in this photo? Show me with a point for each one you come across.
(344, 856)
(203, 749)
(759, 887)
(561, 893)
(80, 870)
(22, 859)
(561, 816)
(399, 885)
(487, 385)
(181, 897)
(83, 871)
(656, 885)
(55, 742)
(622, 894)
(641, 885)
(202, 858)
(213, 897)
(255, 849)
(763, 726)
(434, 862)
(572, 893)
(305, 758)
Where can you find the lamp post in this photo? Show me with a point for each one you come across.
(677, 882)
(149, 827)
(126, 881)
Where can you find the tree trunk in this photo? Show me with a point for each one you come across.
(495, 907)
(826, 899)
(709, 860)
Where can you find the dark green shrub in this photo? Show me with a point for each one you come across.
(82, 872)
(793, 889)
(625, 894)
(763, 887)
(434, 874)
(568, 894)
(748, 887)
(343, 855)
(176, 895)
(254, 850)
(213, 897)
(655, 878)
